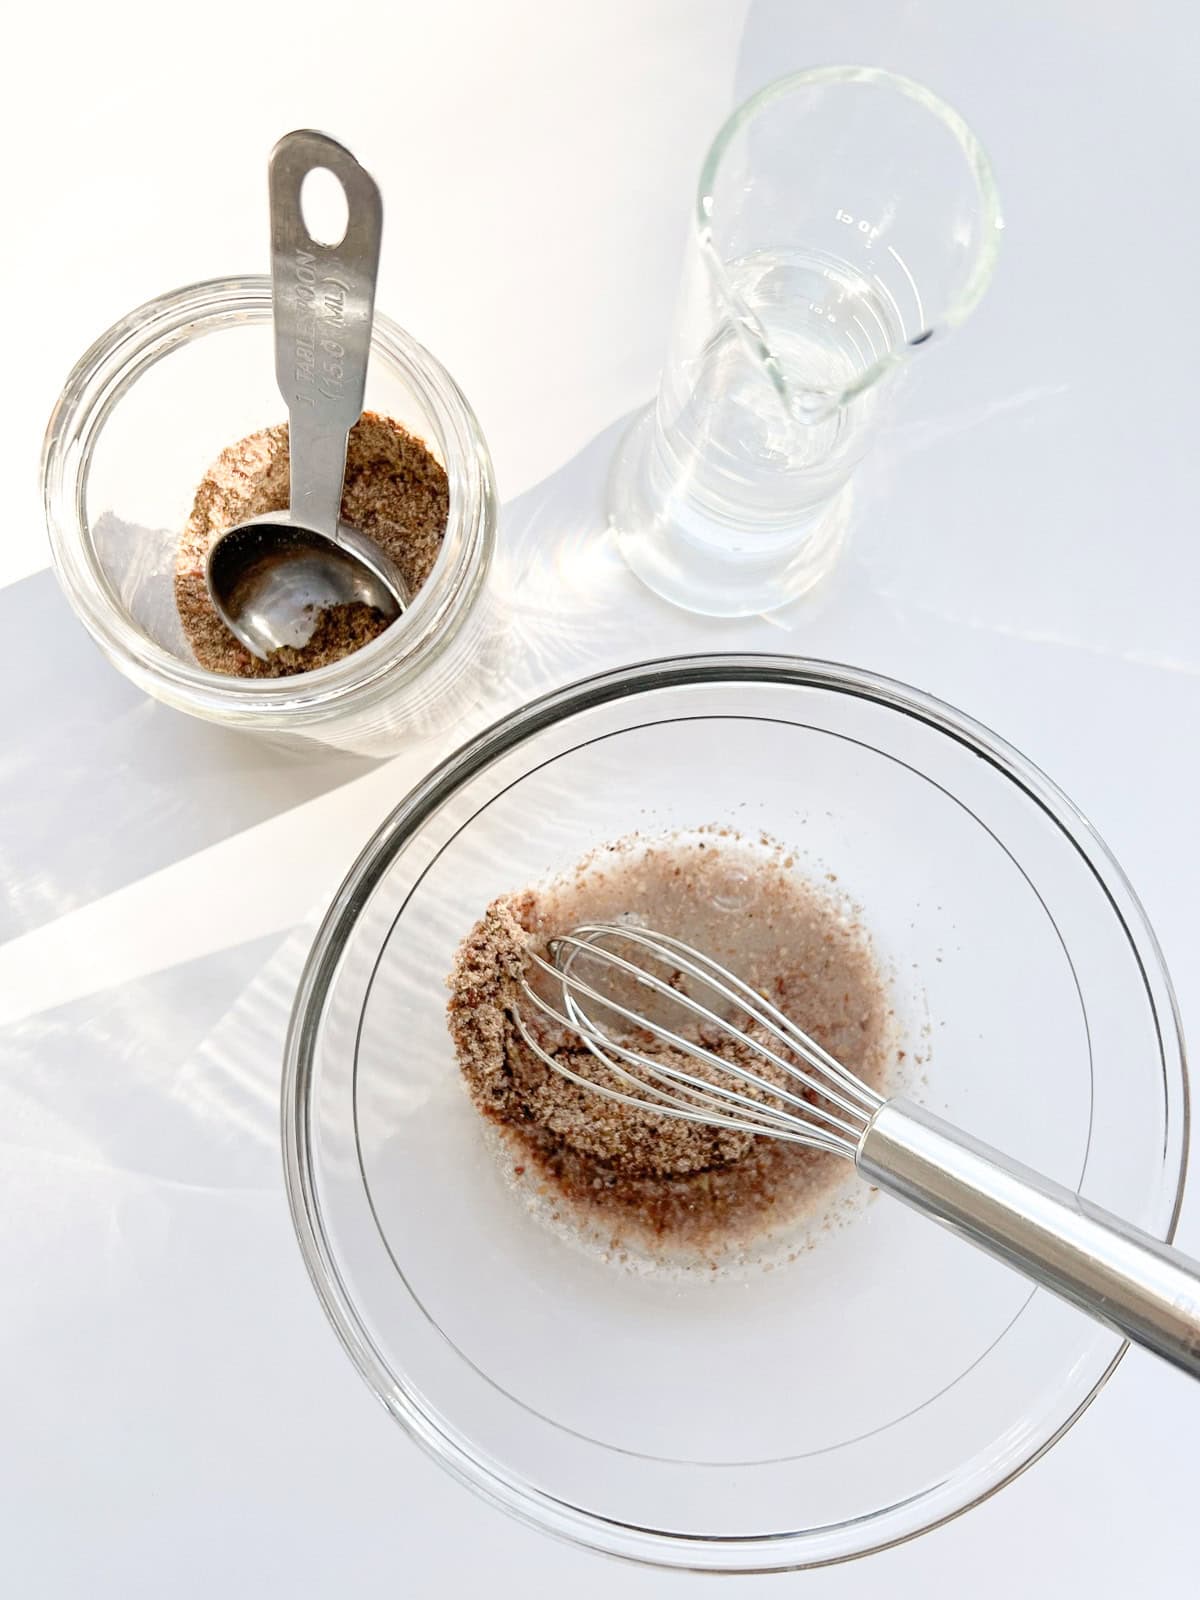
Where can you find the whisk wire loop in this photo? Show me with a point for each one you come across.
(831, 1111)
(729, 987)
(718, 1097)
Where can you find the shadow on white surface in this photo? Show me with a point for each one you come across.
(101, 785)
(109, 1084)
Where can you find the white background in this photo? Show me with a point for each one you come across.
(175, 1417)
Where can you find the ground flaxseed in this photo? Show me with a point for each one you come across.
(395, 492)
(629, 1170)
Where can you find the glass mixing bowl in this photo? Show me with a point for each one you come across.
(889, 1376)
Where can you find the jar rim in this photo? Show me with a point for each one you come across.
(110, 367)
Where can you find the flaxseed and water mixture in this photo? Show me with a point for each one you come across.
(395, 492)
(641, 1182)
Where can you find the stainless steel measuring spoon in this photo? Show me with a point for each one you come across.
(271, 578)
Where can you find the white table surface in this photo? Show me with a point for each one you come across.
(175, 1416)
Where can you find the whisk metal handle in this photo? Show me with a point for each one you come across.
(1123, 1277)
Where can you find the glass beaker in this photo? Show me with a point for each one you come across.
(844, 216)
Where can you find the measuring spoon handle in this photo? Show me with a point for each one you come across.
(323, 299)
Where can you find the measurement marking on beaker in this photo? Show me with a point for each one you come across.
(869, 307)
(857, 351)
(892, 301)
(903, 265)
(860, 223)
(867, 334)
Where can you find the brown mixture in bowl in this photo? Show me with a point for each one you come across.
(635, 1174)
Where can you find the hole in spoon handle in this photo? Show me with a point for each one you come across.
(323, 298)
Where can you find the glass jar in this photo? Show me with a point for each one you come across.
(141, 418)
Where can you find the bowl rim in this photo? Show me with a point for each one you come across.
(527, 1503)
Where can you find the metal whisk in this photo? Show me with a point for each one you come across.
(1120, 1275)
